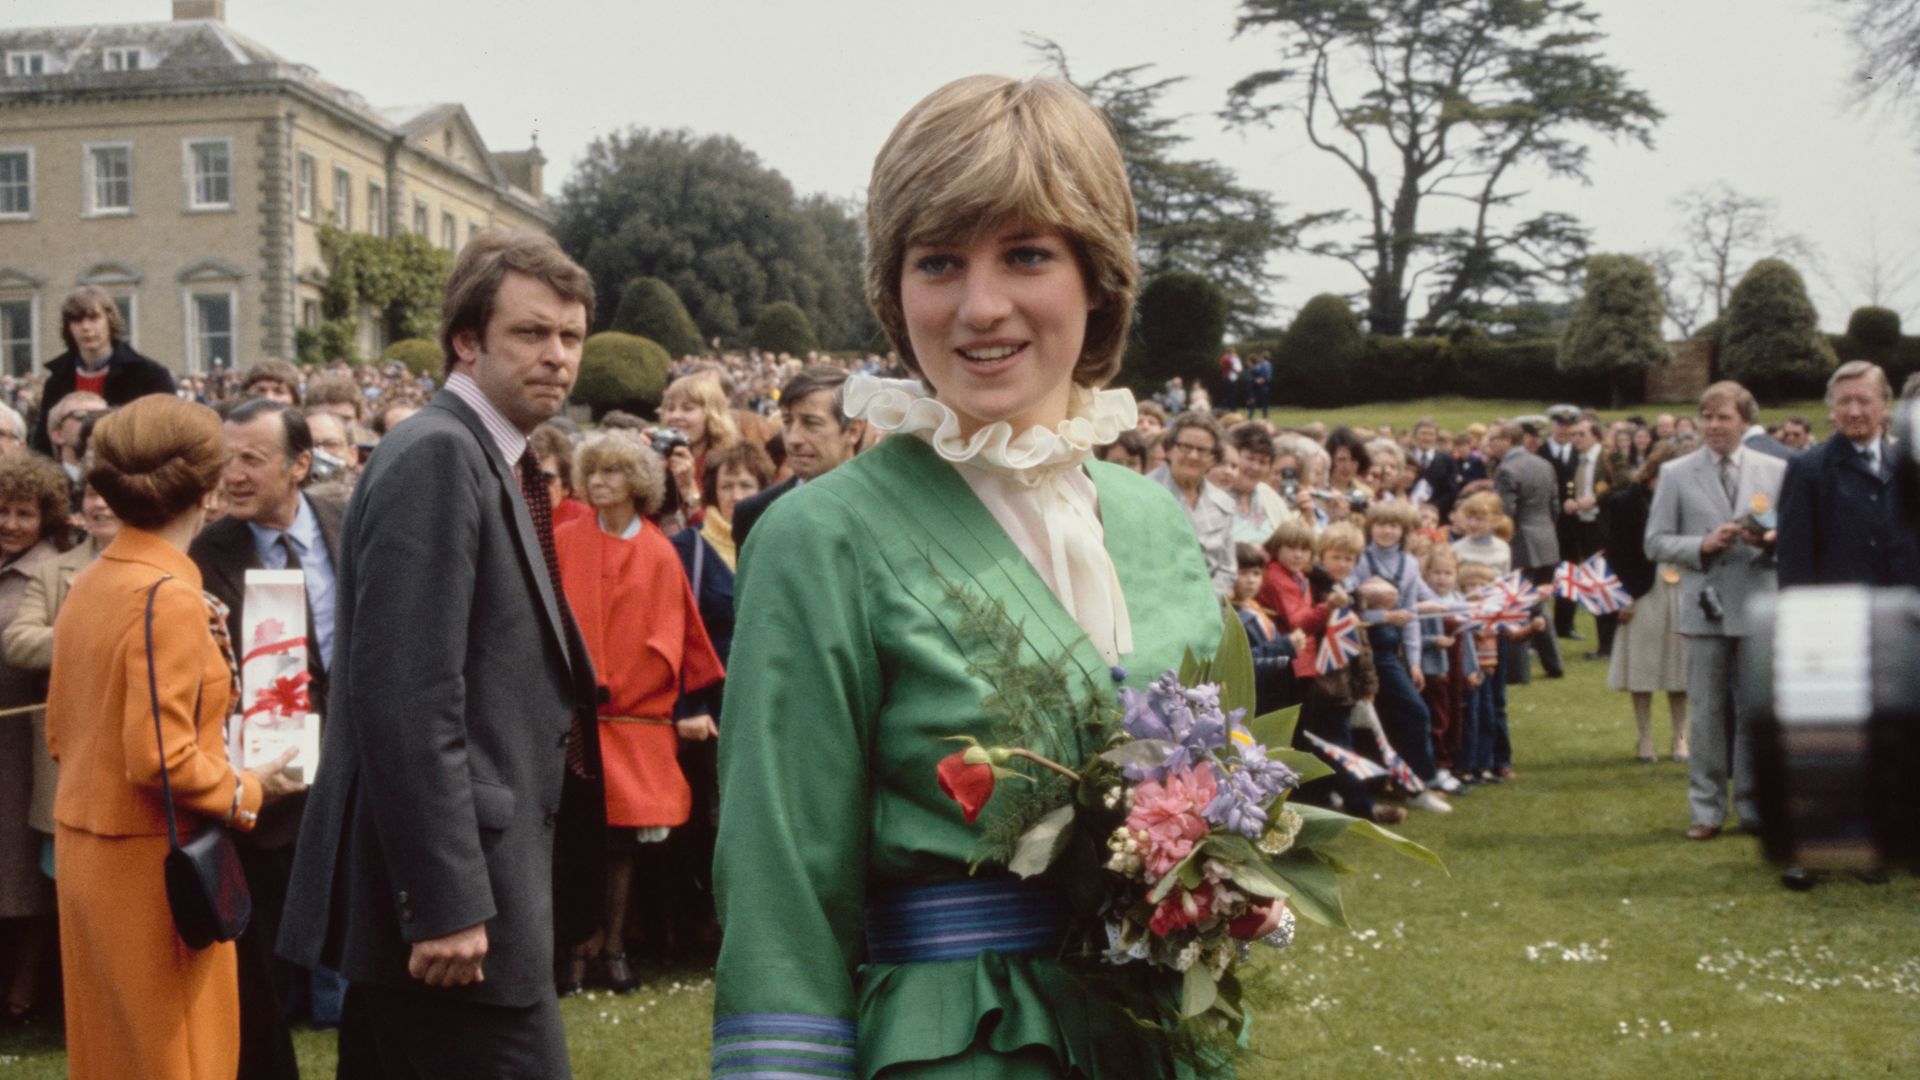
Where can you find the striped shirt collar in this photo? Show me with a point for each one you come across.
(511, 441)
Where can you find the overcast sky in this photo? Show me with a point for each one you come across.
(1756, 94)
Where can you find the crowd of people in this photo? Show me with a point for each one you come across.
(540, 754)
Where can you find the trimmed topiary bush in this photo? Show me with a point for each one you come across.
(649, 308)
(1874, 331)
(1319, 355)
(621, 371)
(422, 356)
(1615, 331)
(783, 328)
(1773, 344)
(1180, 323)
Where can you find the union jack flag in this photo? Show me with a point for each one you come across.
(1340, 644)
(1604, 594)
(1346, 760)
(1570, 581)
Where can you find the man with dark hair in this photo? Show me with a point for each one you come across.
(1529, 495)
(818, 436)
(273, 379)
(1797, 432)
(271, 525)
(1434, 464)
(98, 359)
(461, 746)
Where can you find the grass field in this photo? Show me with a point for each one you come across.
(1578, 935)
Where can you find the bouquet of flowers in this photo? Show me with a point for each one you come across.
(1176, 843)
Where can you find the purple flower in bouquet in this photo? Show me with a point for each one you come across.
(1168, 712)
(1251, 782)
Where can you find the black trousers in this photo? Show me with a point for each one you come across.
(393, 1033)
(266, 1045)
(1544, 643)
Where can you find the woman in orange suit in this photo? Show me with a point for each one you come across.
(642, 627)
(139, 1001)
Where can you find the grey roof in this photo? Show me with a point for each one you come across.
(204, 55)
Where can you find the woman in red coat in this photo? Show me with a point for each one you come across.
(642, 627)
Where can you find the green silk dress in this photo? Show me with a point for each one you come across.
(848, 673)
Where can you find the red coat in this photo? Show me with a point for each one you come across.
(642, 627)
(1285, 593)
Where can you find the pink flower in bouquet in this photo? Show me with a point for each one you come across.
(1182, 909)
(1169, 812)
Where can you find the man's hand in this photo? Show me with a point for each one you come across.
(697, 728)
(1474, 679)
(1719, 539)
(274, 781)
(1626, 615)
(1569, 506)
(1419, 680)
(453, 960)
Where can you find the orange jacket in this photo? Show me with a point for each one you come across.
(99, 711)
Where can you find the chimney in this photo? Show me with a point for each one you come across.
(200, 9)
(525, 169)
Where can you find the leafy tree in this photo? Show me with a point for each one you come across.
(1180, 320)
(401, 277)
(723, 230)
(1874, 331)
(649, 308)
(1194, 214)
(1772, 341)
(621, 371)
(1320, 352)
(1451, 100)
(1615, 331)
(783, 328)
(421, 355)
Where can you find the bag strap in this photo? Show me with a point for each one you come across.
(153, 693)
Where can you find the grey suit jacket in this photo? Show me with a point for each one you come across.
(1530, 492)
(456, 677)
(1689, 503)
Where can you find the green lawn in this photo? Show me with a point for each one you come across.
(1455, 413)
(1579, 935)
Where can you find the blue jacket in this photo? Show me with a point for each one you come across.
(1838, 521)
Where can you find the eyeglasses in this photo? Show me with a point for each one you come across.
(1192, 449)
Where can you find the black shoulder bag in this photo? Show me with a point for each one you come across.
(205, 886)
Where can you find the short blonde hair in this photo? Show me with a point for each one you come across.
(987, 149)
(1339, 536)
(1475, 574)
(1728, 392)
(1394, 512)
(703, 390)
(631, 455)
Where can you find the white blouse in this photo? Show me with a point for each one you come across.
(1033, 484)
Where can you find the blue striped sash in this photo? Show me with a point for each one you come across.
(921, 923)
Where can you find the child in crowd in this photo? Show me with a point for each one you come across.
(1443, 657)
(1489, 759)
(1479, 516)
(1430, 527)
(1328, 707)
(1274, 647)
(1396, 644)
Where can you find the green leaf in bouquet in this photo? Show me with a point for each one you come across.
(1304, 765)
(1313, 889)
(1250, 871)
(1233, 665)
(1339, 865)
(1191, 670)
(1197, 991)
(1042, 843)
(1275, 729)
(1323, 825)
(1146, 752)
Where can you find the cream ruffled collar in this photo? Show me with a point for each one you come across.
(1094, 418)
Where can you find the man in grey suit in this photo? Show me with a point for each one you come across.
(1702, 519)
(1530, 495)
(455, 747)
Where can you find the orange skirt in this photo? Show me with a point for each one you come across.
(139, 1001)
(645, 786)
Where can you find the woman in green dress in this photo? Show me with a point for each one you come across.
(877, 604)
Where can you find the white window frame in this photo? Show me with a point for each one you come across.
(449, 231)
(33, 201)
(376, 209)
(19, 60)
(114, 58)
(33, 330)
(343, 198)
(131, 316)
(196, 363)
(422, 219)
(92, 183)
(189, 167)
(306, 176)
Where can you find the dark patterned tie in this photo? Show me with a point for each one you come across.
(533, 486)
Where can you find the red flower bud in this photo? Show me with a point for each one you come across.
(969, 785)
(1247, 926)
